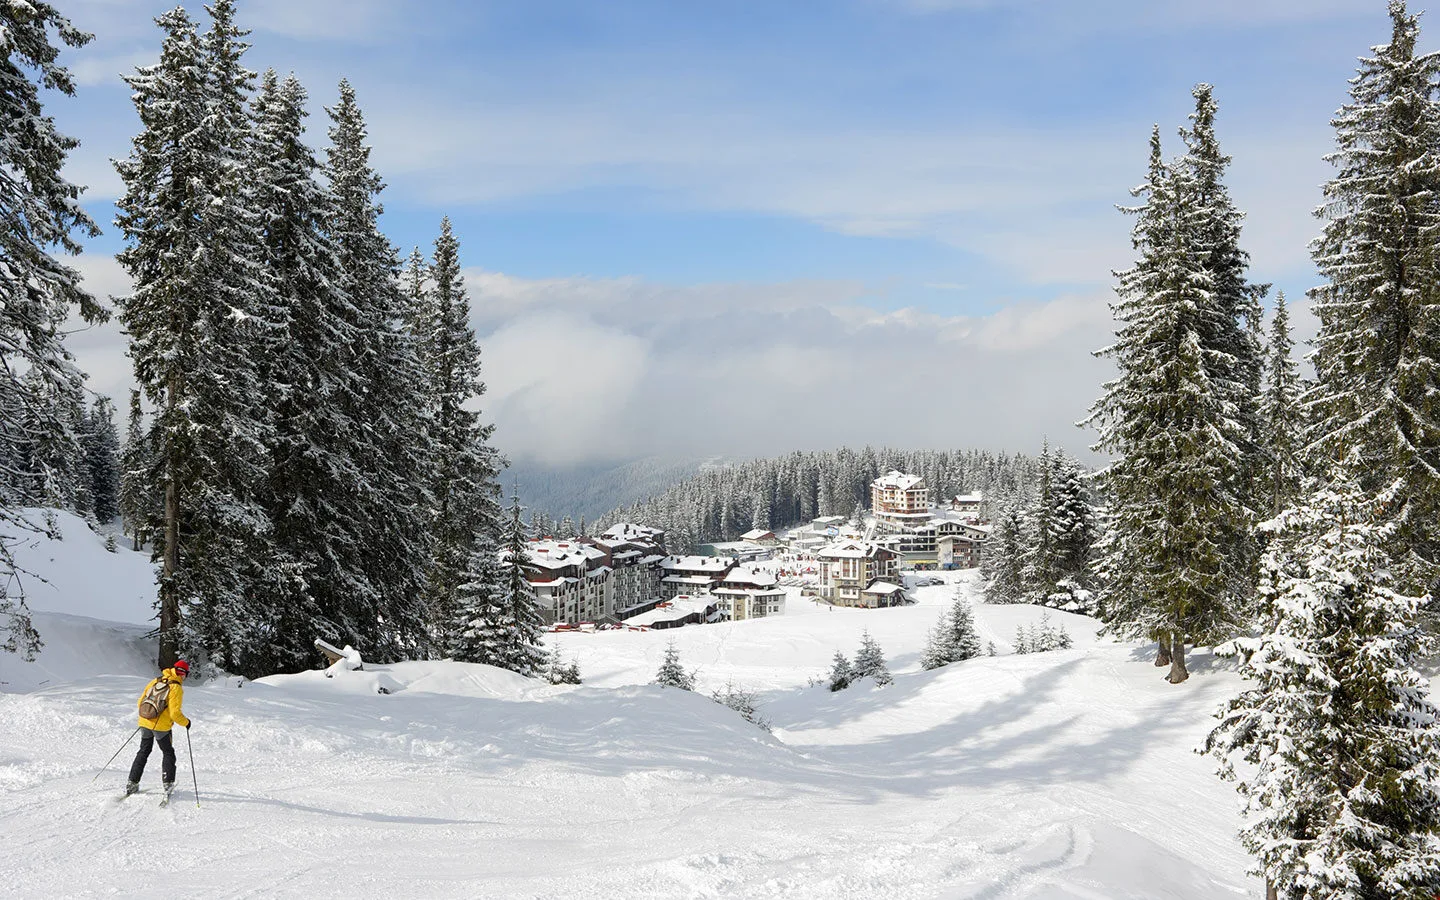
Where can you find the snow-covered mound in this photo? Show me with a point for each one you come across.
(92, 607)
(1067, 774)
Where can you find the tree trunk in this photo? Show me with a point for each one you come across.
(1162, 652)
(1178, 672)
(169, 594)
(1271, 893)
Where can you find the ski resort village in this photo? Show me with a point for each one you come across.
(623, 576)
(871, 450)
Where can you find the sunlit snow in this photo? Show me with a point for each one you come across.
(1068, 774)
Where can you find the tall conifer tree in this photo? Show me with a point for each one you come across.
(37, 291)
(394, 462)
(465, 490)
(1178, 507)
(193, 320)
(1378, 347)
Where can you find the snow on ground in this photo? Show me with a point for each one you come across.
(1058, 775)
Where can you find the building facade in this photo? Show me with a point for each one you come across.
(899, 499)
(746, 594)
(849, 568)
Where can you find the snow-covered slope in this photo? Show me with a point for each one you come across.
(1058, 775)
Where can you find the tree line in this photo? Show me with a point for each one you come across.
(304, 452)
(723, 502)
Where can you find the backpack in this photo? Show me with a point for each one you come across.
(155, 699)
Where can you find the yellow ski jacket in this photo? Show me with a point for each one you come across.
(171, 715)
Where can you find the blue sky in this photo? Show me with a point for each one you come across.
(919, 188)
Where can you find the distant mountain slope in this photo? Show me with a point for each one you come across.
(593, 489)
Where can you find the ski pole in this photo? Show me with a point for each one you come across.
(117, 752)
(191, 747)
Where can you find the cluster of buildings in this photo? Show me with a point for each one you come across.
(625, 575)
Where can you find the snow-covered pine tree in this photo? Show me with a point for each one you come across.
(51, 443)
(101, 445)
(137, 505)
(394, 463)
(672, 673)
(1023, 642)
(1230, 332)
(316, 583)
(1073, 534)
(524, 645)
(1280, 413)
(481, 632)
(960, 637)
(870, 661)
(37, 290)
(842, 673)
(193, 320)
(465, 487)
(1038, 571)
(744, 701)
(1377, 351)
(937, 651)
(1000, 558)
(1340, 740)
(1177, 511)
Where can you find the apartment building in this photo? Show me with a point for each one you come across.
(851, 570)
(747, 594)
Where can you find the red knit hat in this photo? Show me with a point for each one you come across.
(182, 667)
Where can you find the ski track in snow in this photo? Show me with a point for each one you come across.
(1058, 775)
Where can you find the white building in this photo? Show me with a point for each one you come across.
(900, 499)
(850, 568)
(747, 594)
(693, 574)
(633, 553)
(571, 580)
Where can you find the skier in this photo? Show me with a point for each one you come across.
(167, 713)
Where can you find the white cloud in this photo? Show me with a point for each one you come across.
(597, 369)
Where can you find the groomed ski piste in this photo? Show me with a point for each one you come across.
(1066, 774)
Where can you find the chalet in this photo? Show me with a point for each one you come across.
(760, 536)
(967, 504)
(881, 594)
(747, 594)
(848, 568)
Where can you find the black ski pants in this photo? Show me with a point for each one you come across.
(148, 740)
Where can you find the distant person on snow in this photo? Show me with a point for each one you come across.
(159, 706)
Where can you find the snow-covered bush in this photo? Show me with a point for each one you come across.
(672, 674)
(742, 701)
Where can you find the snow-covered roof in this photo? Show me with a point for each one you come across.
(678, 608)
(697, 563)
(882, 587)
(766, 592)
(969, 498)
(750, 577)
(628, 531)
(900, 481)
(688, 579)
(560, 554)
(848, 549)
(756, 534)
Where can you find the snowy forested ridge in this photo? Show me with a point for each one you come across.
(722, 502)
